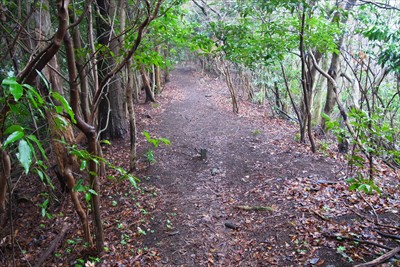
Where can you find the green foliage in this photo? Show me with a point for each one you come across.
(44, 206)
(64, 105)
(374, 135)
(155, 142)
(15, 89)
(150, 156)
(172, 33)
(17, 135)
(384, 33)
(85, 157)
(359, 183)
(272, 33)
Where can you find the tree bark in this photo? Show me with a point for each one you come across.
(146, 85)
(5, 172)
(82, 71)
(307, 83)
(132, 118)
(91, 136)
(334, 66)
(111, 108)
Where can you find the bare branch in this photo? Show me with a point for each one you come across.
(379, 5)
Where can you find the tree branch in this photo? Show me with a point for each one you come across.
(37, 65)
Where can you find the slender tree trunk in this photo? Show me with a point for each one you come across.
(111, 108)
(132, 118)
(225, 69)
(157, 72)
(5, 172)
(318, 97)
(306, 82)
(334, 66)
(82, 71)
(93, 145)
(146, 85)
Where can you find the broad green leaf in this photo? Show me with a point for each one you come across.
(24, 155)
(147, 135)
(14, 128)
(353, 187)
(79, 186)
(15, 88)
(15, 136)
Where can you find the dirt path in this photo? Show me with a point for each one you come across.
(247, 163)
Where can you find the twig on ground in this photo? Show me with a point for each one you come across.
(397, 237)
(372, 208)
(381, 259)
(255, 208)
(372, 221)
(357, 240)
(320, 215)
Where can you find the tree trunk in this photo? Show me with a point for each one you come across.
(334, 66)
(318, 97)
(146, 85)
(111, 108)
(82, 71)
(132, 118)
(307, 84)
(157, 72)
(5, 172)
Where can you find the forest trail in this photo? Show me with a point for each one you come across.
(250, 158)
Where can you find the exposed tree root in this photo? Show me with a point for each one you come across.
(53, 246)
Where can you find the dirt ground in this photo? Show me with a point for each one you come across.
(257, 197)
(249, 159)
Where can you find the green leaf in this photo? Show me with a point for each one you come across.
(79, 186)
(14, 128)
(106, 142)
(88, 197)
(65, 105)
(24, 155)
(165, 141)
(34, 97)
(43, 79)
(38, 144)
(15, 88)
(325, 116)
(147, 135)
(92, 192)
(83, 165)
(132, 180)
(41, 175)
(15, 136)
(353, 187)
